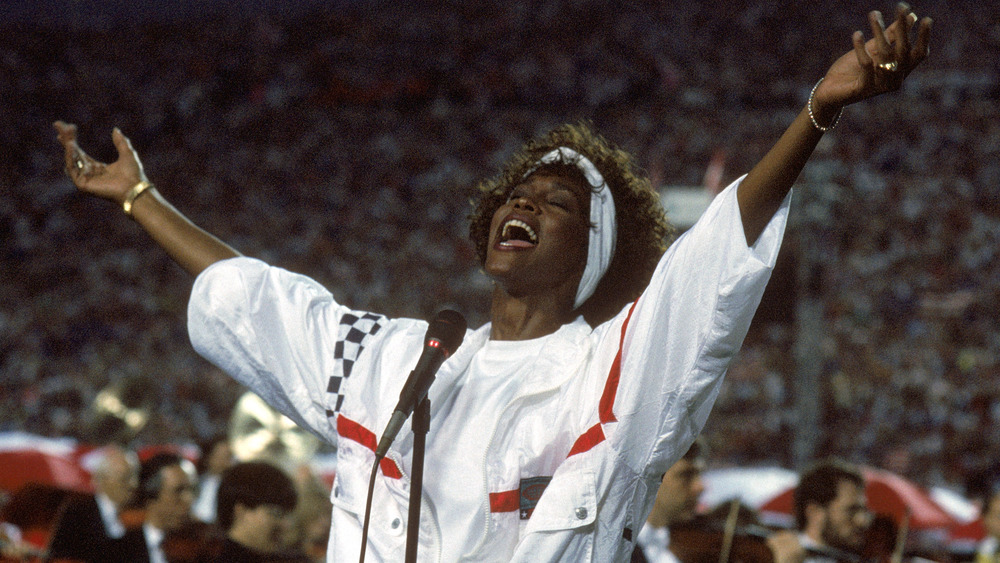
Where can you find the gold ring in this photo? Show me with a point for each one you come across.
(890, 66)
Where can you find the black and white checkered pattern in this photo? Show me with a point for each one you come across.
(353, 334)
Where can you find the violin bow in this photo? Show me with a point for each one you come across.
(904, 529)
(730, 530)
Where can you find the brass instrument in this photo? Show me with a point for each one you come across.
(259, 432)
(120, 411)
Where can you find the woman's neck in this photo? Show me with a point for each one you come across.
(526, 318)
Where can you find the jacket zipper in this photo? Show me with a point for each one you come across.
(486, 453)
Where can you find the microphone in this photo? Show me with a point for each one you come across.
(444, 335)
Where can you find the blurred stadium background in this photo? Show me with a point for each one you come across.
(342, 139)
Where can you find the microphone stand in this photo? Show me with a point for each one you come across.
(420, 424)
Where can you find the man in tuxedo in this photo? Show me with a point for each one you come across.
(255, 518)
(166, 492)
(216, 457)
(89, 523)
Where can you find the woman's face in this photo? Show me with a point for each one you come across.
(538, 238)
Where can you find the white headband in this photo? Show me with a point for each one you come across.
(604, 228)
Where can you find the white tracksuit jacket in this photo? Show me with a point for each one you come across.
(597, 418)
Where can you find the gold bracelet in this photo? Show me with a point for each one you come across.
(134, 194)
(809, 108)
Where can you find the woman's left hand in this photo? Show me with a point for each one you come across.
(877, 65)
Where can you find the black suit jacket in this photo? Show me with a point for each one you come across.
(637, 556)
(130, 548)
(233, 552)
(79, 533)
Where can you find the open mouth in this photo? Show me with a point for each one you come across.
(517, 234)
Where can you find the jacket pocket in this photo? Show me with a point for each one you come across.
(569, 502)
(350, 491)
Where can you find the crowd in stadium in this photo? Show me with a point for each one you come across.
(345, 144)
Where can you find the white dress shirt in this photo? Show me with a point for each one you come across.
(109, 515)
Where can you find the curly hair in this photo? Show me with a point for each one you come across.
(643, 230)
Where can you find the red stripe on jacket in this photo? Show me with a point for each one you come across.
(505, 501)
(351, 430)
(607, 403)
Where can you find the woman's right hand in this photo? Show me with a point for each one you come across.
(110, 181)
(191, 246)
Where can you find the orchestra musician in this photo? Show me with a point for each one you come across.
(166, 492)
(834, 524)
(701, 538)
(88, 524)
(831, 511)
(676, 502)
(989, 549)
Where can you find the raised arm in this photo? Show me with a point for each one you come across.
(871, 68)
(125, 183)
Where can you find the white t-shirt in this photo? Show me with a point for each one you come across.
(488, 387)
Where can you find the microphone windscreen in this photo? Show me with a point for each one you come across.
(448, 328)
